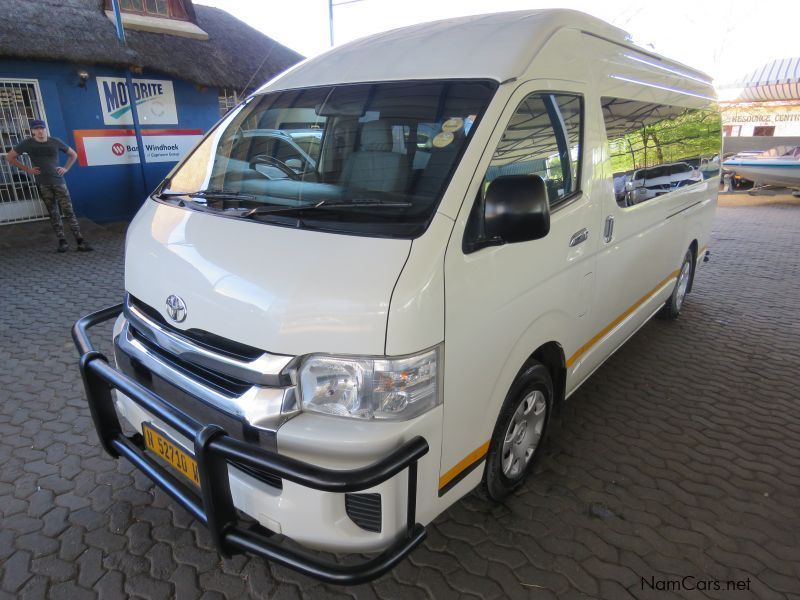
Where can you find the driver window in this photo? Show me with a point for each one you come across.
(543, 138)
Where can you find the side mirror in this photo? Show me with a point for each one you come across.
(516, 209)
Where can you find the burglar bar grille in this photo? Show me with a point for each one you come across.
(227, 100)
(20, 101)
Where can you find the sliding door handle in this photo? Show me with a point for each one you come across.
(608, 232)
(579, 237)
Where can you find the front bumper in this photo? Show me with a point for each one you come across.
(214, 449)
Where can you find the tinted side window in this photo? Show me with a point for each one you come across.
(657, 148)
(543, 138)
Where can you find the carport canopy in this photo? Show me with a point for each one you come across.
(777, 80)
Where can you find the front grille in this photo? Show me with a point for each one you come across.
(213, 379)
(205, 339)
(224, 384)
(195, 409)
(364, 510)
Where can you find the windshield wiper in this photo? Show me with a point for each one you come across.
(212, 194)
(266, 210)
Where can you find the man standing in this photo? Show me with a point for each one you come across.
(49, 177)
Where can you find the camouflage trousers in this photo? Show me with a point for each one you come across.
(59, 205)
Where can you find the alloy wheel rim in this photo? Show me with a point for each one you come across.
(523, 434)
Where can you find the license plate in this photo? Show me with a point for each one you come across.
(176, 456)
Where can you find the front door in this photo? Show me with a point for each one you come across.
(20, 102)
(503, 302)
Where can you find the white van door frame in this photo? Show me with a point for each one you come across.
(635, 271)
(504, 302)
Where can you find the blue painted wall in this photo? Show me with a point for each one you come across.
(108, 192)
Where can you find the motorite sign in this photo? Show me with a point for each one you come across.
(118, 146)
(155, 101)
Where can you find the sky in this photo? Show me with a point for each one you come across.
(726, 40)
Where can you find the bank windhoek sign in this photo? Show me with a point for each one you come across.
(118, 146)
(155, 101)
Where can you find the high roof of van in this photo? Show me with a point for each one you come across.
(497, 46)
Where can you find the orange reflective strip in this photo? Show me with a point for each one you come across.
(470, 459)
(619, 319)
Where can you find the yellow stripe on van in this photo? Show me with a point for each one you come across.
(467, 461)
(480, 452)
(583, 349)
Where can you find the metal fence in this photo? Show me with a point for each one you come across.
(20, 101)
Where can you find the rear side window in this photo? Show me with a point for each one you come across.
(543, 138)
(658, 148)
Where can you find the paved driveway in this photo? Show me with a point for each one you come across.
(679, 458)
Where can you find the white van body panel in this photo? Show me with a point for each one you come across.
(287, 291)
(626, 280)
(347, 444)
(416, 315)
(637, 269)
(494, 46)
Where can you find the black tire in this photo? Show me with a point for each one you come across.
(533, 385)
(674, 305)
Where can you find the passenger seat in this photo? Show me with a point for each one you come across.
(374, 166)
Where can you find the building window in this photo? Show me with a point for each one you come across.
(227, 100)
(764, 131)
(168, 9)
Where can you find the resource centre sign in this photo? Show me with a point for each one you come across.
(118, 146)
(155, 101)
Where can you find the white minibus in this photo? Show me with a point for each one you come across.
(332, 345)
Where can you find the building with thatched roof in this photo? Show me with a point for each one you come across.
(762, 110)
(62, 61)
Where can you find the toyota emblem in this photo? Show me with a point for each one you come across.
(176, 308)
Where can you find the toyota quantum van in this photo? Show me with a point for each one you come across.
(335, 354)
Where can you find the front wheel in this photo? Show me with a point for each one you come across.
(520, 431)
(673, 306)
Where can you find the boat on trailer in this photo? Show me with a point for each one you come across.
(779, 167)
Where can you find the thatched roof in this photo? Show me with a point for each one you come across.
(78, 31)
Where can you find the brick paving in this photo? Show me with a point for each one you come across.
(679, 457)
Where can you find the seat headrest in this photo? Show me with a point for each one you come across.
(376, 136)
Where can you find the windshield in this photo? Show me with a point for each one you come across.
(366, 159)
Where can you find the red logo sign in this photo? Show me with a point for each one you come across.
(118, 149)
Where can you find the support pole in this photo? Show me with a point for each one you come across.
(330, 19)
(136, 129)
(131, 97)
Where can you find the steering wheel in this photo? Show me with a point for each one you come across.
(274, 162)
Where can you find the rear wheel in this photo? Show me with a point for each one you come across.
(520, 431)
(673, 306)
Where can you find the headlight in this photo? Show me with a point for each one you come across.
(371, 388)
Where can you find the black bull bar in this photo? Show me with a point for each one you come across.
(213, 448)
